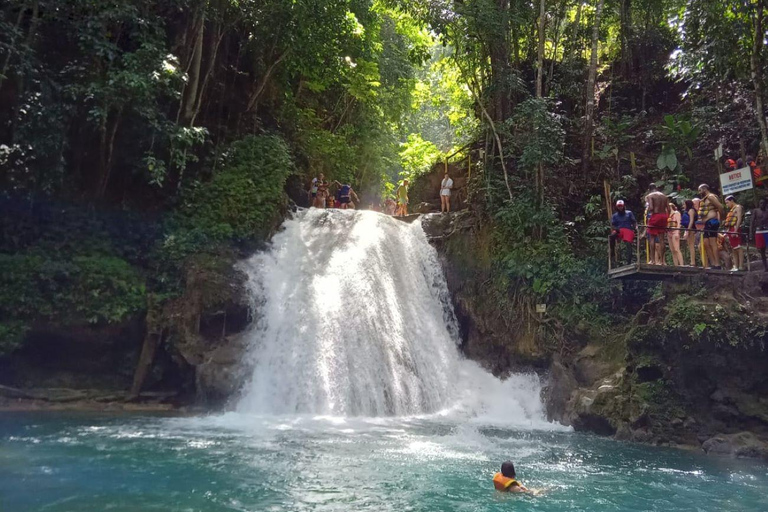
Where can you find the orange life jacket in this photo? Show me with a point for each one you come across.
(503, 483)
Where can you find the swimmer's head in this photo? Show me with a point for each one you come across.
(508, 469)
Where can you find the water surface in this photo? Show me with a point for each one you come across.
(235, 462)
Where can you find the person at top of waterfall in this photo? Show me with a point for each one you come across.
(506, 479)
(732, 224)
(658, 209)
(322, 192)
(318, 191)
(759, 229)
(312, 195)
(709, 212)
(346, 194)
(402, 199)
(623, 224)
(445, 193)
(390, 206)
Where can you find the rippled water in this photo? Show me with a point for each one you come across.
(235, 462)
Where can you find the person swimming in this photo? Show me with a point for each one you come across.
(505, 481)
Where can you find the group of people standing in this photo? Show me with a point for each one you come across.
(320, 194)
(702, 221)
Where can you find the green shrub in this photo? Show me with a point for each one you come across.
(244, 198)
(66, 289)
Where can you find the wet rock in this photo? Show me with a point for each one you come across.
(560, 387)
(425, 208)
(589, 366)
(223, 373)
(743, 444)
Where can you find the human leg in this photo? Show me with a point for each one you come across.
(691, 248)
(674, 246)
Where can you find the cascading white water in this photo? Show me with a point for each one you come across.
(355, 320)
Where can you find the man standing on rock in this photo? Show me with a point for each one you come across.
(658, 210)
(759, 228)
(445, 193)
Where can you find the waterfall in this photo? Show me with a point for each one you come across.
(355, 319)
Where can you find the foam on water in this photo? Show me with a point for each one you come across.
(355, 319)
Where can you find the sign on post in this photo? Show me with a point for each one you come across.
(736, 180)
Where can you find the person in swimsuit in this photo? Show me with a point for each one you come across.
(732, 225)
(658, 208)
(445, 193)
(759, 228)
(673, 234)
(322, 192)
(709, 212)
(312, 195)
(688, 220)
(345, 194)
(402, 199)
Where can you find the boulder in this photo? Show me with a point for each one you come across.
(743, 444)
(560, 386)
(222, 373)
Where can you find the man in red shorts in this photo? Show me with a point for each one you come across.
(759, 228)
(623, 224)
(658, 207)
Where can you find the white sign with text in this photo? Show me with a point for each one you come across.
(736, 180)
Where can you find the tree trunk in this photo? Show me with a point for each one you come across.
(12, 46)
(539, 82)
(540, 56)
(263, 83)
(625, 30)
(555, 44)
(575, 36)
(108, 134)
(498, 45)
(144, 365)
(590, 106)
(213, 52)
(757, 78)
(189, 98)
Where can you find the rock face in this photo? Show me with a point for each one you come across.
(199, 358)
(743, 444)
(491, 333)
(690, 369)
(424, 192)
(693, 372)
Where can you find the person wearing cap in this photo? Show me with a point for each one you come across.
(732, 225)
(623, 224)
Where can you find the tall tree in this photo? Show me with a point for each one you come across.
(590, 106)
(757, 75)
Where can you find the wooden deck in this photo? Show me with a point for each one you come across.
(644, 271)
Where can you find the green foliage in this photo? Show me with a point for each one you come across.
(692, 321)
(417, 156)
(65, 289)
(12, 334)
(244, 197)
(546, 136)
